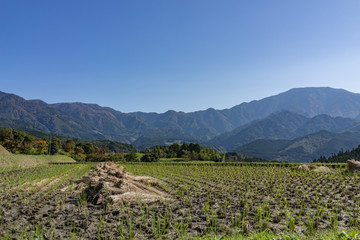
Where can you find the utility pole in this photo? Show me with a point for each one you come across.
(50, 139)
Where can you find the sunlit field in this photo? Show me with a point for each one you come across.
(202, 200)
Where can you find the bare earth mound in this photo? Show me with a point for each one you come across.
(4, 151)
(109, 181)
(353, 165)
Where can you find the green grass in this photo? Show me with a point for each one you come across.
(182, 160)
(22, 160)
(171, 160)
(139, 155)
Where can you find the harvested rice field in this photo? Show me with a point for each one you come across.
(174, 201)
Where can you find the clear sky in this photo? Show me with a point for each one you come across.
(184, 55)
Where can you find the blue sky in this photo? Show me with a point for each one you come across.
(183, 55)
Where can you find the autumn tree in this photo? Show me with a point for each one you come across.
(27, 146)
(100, 151)
(78, 154)
(69, 145)
(41, 146)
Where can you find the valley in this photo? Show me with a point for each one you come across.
(298, 117)
(186, 120)
(192, 176)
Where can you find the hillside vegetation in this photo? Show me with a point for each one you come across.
(341, 157)
(282, 125)
(295, 116)
(303, 149)
(20, 142)
(91, 121)
(23, 144)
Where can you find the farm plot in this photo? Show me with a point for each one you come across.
(33, 200)
(71, 202)
(241, 199)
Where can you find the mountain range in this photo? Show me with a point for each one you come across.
(283, 125)
(288, 116)
(302, 149)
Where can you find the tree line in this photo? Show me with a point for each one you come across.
(238, 157)
(16, 141)
(188, 152)
(341, 157)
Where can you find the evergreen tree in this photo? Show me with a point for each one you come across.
(69, 145)
(88, 148)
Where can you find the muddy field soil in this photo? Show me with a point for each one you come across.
(106, 203)
(109, 203)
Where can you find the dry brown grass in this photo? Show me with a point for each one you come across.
(353, 165)
(109, 181)
(3, 151)
(311, 167)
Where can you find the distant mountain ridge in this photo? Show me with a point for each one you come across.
(305, 101)
(282, 125)
(107, 121)
(38, 115)
(302, 149)
(144, 129)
